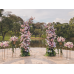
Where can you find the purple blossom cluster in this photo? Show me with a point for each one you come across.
(25, 34)
(51, 35)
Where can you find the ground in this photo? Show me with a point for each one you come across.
(37, 57)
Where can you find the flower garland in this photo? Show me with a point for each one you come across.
(51, 35)
(25, 37)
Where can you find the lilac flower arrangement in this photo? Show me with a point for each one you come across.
(25, 37)
(60, 42)
(14, 38)
(1, 44)
(51, 35)
(4, 44)
(61, 39)
(13, 41)
(68, 45)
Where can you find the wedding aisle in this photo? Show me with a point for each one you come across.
(37, 57)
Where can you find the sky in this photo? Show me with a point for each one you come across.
(45, 15)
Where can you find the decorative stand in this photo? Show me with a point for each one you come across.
(13, 46)
(4, 53)
(66, 53)
(61, 45)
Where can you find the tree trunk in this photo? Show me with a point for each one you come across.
(3, 37)
(35, 36)
(15, 33)
(40, 35)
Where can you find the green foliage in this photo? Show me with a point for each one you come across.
(71, 21)
(43, 36)
(24, 53)
(16, 29)
(37, 29)
(51, 53)
(13, 45)
(65, 30)
(1, 10)
(5, 26)
(37, 32)
(10, 23)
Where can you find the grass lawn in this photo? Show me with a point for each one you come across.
(37, 37)
(7, 37)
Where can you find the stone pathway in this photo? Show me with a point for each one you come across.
(37, 57)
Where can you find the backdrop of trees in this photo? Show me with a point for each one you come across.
(10, 24)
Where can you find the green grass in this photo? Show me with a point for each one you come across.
(7, 37)
(35, 37)
(0, 38)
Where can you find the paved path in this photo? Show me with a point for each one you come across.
(37, 57)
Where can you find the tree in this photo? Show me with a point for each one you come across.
(64, 30)
(1, 10)
(58, 23)
(36, 32)
(71, 21)
(37, 27)
(10, 23)
(16, 28)
(5, 25)
(15, 18)
(17, 21)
